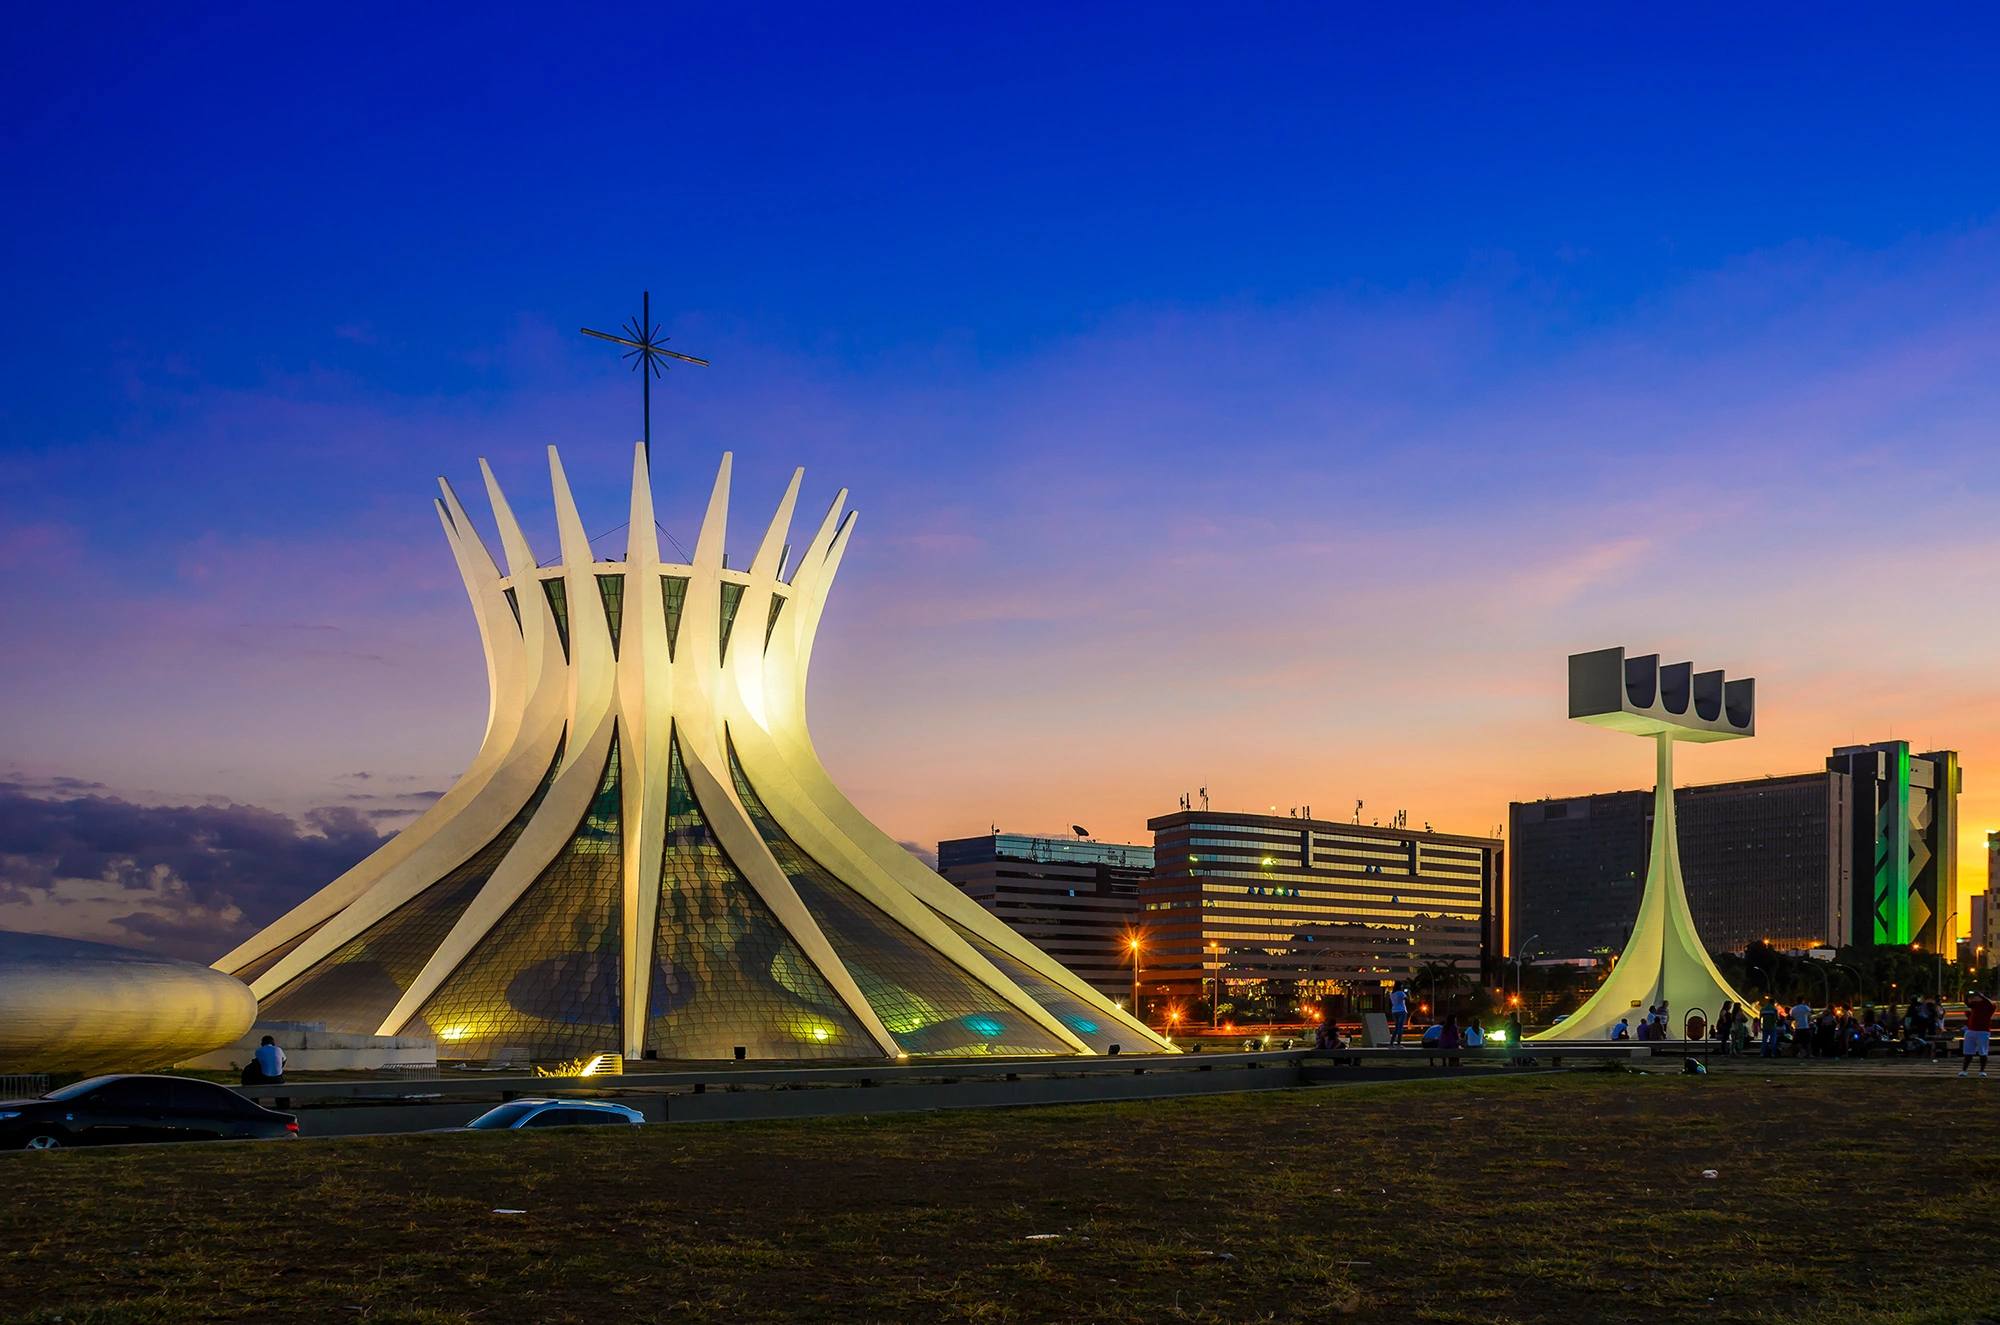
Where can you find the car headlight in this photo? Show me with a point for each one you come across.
(5, 1114)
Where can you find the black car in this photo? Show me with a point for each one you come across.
(120, 1110)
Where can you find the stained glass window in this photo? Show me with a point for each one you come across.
(1082, 1020)
(545, 978)
(725, 972)
(929, 1004)
(559, 604)
(258, 965)
(359, 983)
(771, 624)
(611, 588)
(732, 598)
(673, 591)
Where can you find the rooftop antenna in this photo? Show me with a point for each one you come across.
(1357, 812)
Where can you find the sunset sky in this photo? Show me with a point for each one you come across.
(1266, 399)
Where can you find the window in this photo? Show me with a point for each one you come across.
(732, 598)
(359, 983)
(131, 1093)
(673, 592)
(559, 604)
(771, 625)
(545, 978)
(503, 1117)
(611, 588)
(205, 1097)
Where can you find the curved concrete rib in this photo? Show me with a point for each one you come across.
(707, 692)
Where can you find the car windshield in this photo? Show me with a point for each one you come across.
(506, 1115)
(76, 1089)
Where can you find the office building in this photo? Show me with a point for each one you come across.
(1860, 852)
(1284, 910)
(1076, 901)
(1981, 943)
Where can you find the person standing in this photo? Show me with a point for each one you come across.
(1767, 1013)
(1802, 1025)
(1978, 1030)
(1399, 1012)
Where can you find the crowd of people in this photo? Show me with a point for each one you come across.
(1780, 1031)
(1797, 1031)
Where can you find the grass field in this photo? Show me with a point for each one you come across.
(1576, 1198)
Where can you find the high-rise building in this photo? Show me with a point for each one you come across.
(1903, 824)
(1076, 901)
(1803, 860)
(1283, 910)
(1982, 940)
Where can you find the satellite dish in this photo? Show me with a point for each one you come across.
(1079, 830)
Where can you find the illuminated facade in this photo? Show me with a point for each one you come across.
(1287, 910)
(1663, 960)
(646, 856)
(1903, 828)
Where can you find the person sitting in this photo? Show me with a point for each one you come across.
(1474, 1037)
(1622, 1031)
(1449, 1039)
(267, 1065)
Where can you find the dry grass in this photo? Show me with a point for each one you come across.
(1576, 1198)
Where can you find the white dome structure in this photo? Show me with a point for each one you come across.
(68, 1005)
(646, 855)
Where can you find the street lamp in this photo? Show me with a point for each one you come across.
(1132, 942)
(1944, 937)
(1520, 955)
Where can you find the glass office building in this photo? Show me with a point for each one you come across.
(1283, 911)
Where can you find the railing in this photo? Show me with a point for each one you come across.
(23, 1085)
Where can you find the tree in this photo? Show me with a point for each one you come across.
(1441, 978)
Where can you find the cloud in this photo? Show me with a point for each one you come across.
(928, 855)
(188, 880)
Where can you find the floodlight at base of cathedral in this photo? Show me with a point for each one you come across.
(646, 856)
(1663, 960)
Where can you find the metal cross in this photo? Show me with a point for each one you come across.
(648, 352)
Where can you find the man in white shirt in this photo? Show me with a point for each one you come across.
(1399, 1013)
(271, 1060)
(1801, 1028)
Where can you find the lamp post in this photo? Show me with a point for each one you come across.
(1825, 980)
(1520, 955)
(1133, 943)
(1943, 937)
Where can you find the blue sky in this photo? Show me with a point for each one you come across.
(1265, 398)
